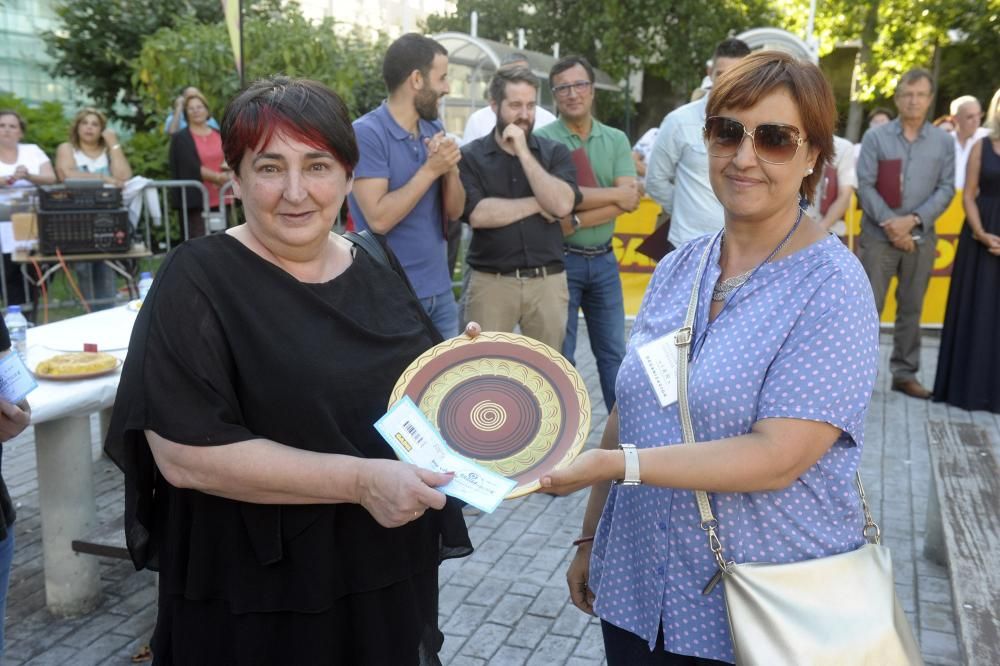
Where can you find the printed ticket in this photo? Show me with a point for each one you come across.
(415, 440)
(16, 380)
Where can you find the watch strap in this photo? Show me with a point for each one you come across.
(632, 477)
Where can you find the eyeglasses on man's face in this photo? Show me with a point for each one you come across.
(774, 143)
(579, 87)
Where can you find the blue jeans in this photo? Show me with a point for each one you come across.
(97, 283)
(6, 559)
(443, 311)
(595, 286)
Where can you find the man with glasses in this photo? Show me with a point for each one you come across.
(906, 179)
(967, 114)
(518, 186)
(677, 175)
(591, 266)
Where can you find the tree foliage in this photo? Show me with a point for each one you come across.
(670, 40)
(276, 40)
(46, 122)
(97, 40)
(906, 34)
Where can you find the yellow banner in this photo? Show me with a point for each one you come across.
(636, 269)
(231, 10)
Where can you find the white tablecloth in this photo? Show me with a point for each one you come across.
(55, 399)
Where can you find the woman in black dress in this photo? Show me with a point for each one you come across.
(283, 527)
(968, 372)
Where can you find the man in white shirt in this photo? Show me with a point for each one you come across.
(967, 114)
(482, 122)
(833, 198)
(677, 175)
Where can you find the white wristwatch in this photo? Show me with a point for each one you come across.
(631, 466)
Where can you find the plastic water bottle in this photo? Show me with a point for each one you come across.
(17, 326)
(145, 282)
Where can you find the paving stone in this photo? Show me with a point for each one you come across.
(450, 596)
(525, 588)
(485, 641)
(529, 631)
(56, 656)
(580, 661)
(591, 645)
(464, 620)
(452, 644)
(509, 610)
(935, 590)
(509, 655)
(549, 602)
(462, 660)
(490, 591)
(552, 650)
(490, 550)
(571, 622)
(100, 651)
(940, 646)
(938, 617)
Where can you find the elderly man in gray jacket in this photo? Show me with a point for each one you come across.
(906, 179)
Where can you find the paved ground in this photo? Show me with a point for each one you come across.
(507, 603)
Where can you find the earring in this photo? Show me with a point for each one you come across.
(809, 171)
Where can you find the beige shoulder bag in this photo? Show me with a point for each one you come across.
(840, 610)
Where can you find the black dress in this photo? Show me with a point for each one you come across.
(228, 347)
(968, 372)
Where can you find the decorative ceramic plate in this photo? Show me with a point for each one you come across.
(509, 402)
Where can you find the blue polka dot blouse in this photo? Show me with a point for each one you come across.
(798, 340)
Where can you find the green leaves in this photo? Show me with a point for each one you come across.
(276, 40)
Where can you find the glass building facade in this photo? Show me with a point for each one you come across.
(23, 60)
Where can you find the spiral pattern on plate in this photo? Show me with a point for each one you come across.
(473, 417)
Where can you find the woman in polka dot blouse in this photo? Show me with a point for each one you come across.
(782, 366)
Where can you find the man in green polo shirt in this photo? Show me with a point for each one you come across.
(591, 266)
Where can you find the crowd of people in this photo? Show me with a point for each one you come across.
(284, 529)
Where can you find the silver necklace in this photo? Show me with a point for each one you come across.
(723, 288)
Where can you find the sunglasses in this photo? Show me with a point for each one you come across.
(773, 143)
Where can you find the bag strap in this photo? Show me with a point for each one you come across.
(683, 339)
(367, 241)
(370, 245)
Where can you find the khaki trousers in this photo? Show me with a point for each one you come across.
(881, 262)
(539, 305)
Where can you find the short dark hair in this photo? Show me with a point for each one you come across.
(762, 73)
(510, 74)
(20, 120)
(305, 110)
(912, 76)
(408, 53)
(569, 62)
(731, 48)
(880, 110)
(516, 56)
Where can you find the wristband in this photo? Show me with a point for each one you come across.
(582, 540)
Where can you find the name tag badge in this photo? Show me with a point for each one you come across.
(659, 359)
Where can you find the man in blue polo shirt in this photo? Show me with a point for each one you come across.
(406, 184)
